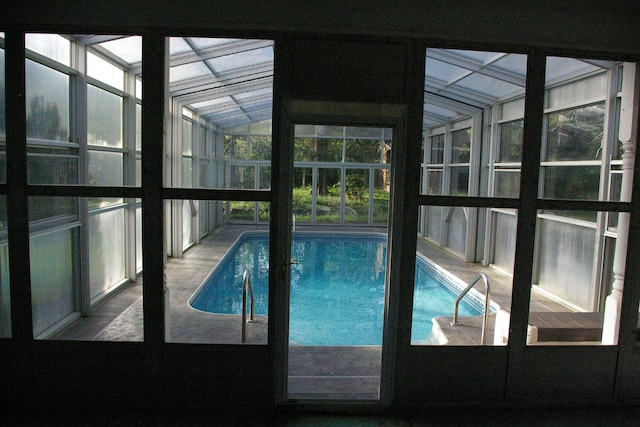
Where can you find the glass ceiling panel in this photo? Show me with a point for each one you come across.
(177, 45)
(229, 89)
(212, 102)
(514, 63)
(442, 71)
(226, 113)
(204, 43)
(188, 71)
(562, 67)
(475, 55)
(437, 111)
(254, 93)
(127, 48)
(257, 107)
(488, 85)
(242, 59)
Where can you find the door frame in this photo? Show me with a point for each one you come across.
(341, 114)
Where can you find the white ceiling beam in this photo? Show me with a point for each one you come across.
(221, 89)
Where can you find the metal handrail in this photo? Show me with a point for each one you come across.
(487, 297)
(246, 288)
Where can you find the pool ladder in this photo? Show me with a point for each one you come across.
(246, 289)
(487, 296)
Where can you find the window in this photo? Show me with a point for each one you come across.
(78, 133)
(571, 276)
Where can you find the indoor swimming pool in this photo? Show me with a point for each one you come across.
(337, 287)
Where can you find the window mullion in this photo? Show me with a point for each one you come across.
(527, 211)
(17, 197)
(80, 123)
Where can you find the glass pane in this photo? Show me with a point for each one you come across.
(459, 181)
(236, 147)
(104, 118)
(187, 137)
(436, 155)
(105, 168)
(205, 303)
(108, 306)
(50, 45)
(303, 193)
(330, 131)
(455, 219)
(260, 147)
(138, 127)
(461, 146)
(504, 240)
(265, 177)
(52, 169)
(364, 132)
(106, 251)
(615, 191)
(106, 72)
(64, 209)
(356, 209)
(381, 195)
(434, 182)
(442, 275)
(507, 183)
(127, 48)
(433, 218)
(336, 315)
(567, 299)
(363, 151)
(578, 91)
(264, 211)
(54, 288)
(317, 149)
(244, 116)
(187, 172)
(328, 196)
(571, 182)
(47, 96)
(242, 177)
(576, 134)
(241, 211)
(334, 341)
(511, 141)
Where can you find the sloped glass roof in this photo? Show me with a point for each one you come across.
(457, 82)
(230, 81)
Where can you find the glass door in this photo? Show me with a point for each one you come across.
(338, 274)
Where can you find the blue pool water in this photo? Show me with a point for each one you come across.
(337, 288)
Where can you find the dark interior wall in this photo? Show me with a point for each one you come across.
(320, 70)
(355, 71)
(605, 26)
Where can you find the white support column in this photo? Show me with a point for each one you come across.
(628, 136)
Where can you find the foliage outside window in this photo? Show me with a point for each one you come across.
(436, 154)
(461, 146)
(104, 118)
(47, 93)
(511, 134)
(576, 134)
